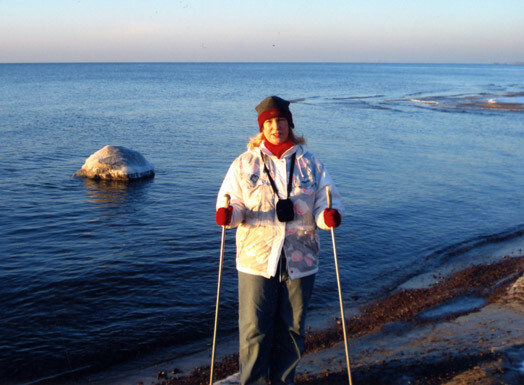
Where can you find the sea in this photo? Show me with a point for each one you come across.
(428, 159)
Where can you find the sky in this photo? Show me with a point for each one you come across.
(392, 31)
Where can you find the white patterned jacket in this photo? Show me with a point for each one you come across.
(261, 237)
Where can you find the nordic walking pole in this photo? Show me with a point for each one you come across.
(328, 193)
(220, 263)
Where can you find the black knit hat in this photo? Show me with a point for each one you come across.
(271, 107)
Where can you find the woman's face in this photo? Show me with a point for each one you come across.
(276, 130)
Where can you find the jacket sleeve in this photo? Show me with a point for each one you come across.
(321, 198)
(232, 186)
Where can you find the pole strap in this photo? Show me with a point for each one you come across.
(290, 180)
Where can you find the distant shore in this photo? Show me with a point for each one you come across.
(466, 328)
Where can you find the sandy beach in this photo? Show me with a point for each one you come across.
(464, 328)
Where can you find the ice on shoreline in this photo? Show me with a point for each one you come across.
(116, 163)
(506, 102)
(507, 99)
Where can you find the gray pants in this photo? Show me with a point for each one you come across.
(272, 315)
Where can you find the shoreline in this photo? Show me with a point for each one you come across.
(465, 328)
(480, 345)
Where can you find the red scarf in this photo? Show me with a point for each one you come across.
(278, 149)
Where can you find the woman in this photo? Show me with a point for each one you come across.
(278, 199)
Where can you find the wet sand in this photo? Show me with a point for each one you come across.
(466, 328)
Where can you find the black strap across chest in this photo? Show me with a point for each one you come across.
(290, 179)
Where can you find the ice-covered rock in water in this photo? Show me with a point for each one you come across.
(116, 163)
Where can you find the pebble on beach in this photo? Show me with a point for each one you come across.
(116, 163)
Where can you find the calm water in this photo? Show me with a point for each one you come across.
(94, 274)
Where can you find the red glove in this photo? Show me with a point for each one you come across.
(224, 215)
(332, 217)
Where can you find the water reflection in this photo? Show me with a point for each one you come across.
(110, 193)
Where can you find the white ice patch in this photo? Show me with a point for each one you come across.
(234, 379)
(516, 291)
(424, 101)
(511, 99)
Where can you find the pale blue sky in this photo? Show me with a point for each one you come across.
(441, 31)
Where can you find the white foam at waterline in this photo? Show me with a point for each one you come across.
(424, 101)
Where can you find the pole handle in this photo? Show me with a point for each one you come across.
(328, 195)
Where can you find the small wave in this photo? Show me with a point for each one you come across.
(354, 100)
(305, 99)
(482, 248)
(461, 248)
(357, 97)
(60, 376)
(513, 94)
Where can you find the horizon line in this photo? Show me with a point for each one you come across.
(263, 62)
